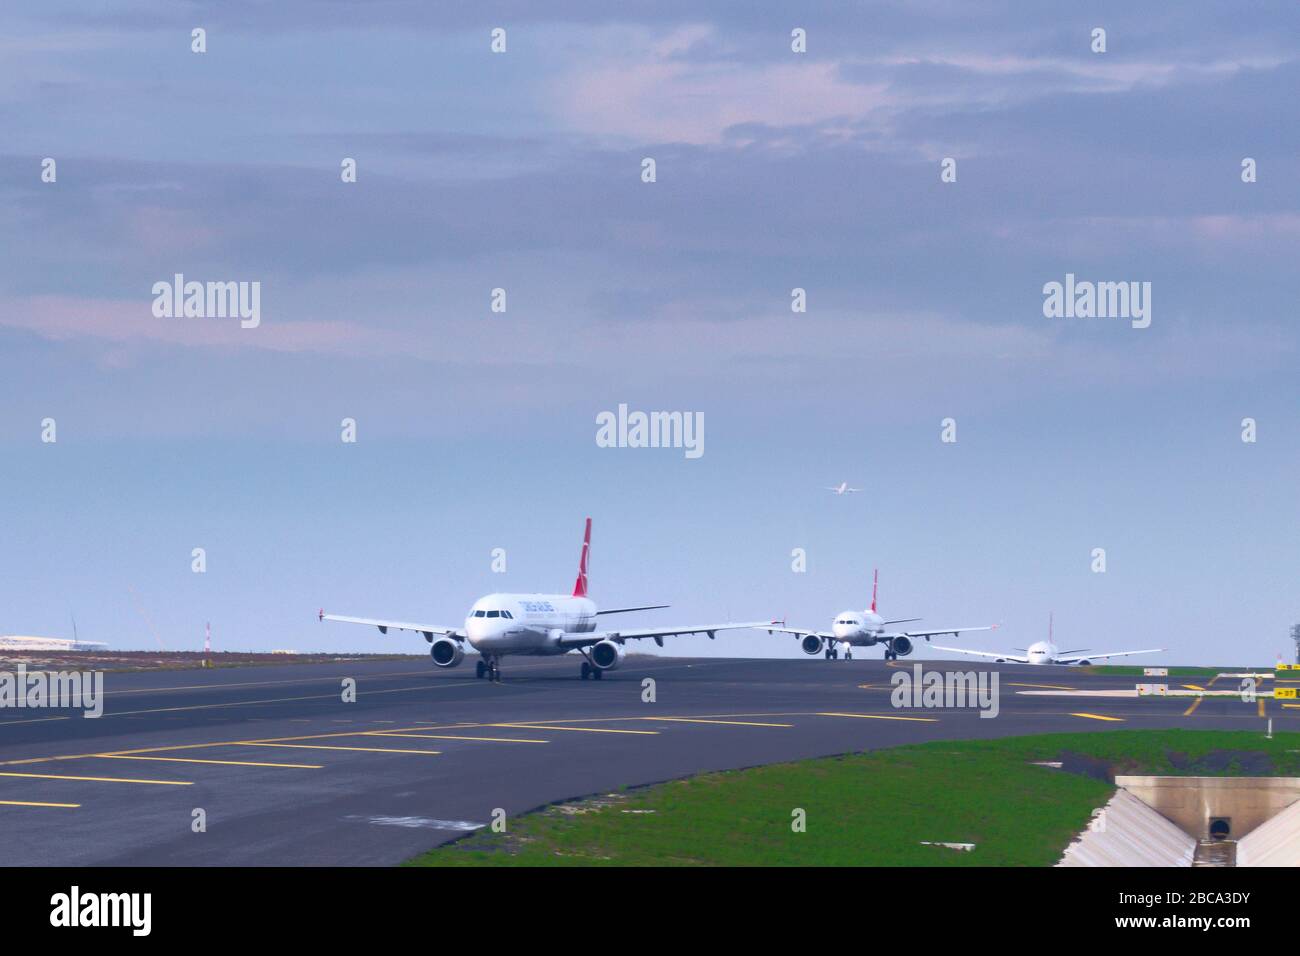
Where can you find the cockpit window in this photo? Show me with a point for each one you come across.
(480, 613)
(493, 613)
(507, 614)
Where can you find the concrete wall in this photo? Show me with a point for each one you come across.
(1190, 802)
(1274, 843)
(1126, 832)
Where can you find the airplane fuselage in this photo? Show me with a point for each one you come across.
(1040, 652)
(527, 623)
(858, 628)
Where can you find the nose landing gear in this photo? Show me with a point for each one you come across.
(490, 668)
(594, 673)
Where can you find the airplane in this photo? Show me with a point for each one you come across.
(843, 489)
(538, 624)
(864, 629)
(1046, 652)
(14, 642)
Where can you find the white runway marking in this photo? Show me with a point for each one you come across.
(425, 823)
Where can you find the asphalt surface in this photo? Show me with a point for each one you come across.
(286, 772)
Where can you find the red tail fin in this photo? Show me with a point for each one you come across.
(875, 583)
(580, 586)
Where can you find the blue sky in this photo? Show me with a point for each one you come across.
(775, 170)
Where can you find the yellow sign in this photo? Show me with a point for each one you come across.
(1285, 693)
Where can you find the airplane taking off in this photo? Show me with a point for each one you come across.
(864, 629)
(843, 489)
(1046, 652)
(538, 624)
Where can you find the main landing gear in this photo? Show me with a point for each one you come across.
(594, 673)
(489, 668)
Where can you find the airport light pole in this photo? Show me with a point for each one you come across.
(1295, 636)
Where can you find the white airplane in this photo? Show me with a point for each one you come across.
(13, 642)
(864, 629)
(538, 624)
(843, 489)
(1046, 652)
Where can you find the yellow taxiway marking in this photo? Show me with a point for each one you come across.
(251, 683)
(705, 720)
(372, 750)
(1042, 686)
(32, 803)
(228, 763)
(1099, 717)
(496, 740)
(1192, 709)
(427, 726)
(586, 730)
(1193, 687)
(928, 720)
(55, 776)
(1261, 706)
(279, 700)
(1292, 706)
(223, 743)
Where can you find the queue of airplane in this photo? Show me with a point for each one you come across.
(499, 625)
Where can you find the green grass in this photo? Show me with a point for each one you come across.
(869, 809)
(1135, 670)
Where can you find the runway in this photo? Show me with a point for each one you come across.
(286, 772)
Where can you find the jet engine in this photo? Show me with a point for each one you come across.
(607, 655)
(811, 644)
(902, 646)
(446, 652)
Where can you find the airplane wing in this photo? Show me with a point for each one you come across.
(657, 634)
(796, 631)
(1093, 657)
(428, 630)
(954, 631)
(990, 654)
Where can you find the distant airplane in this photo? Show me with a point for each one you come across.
(15, 643)
(538, 624)
(864, 629)
(1046, 652)
(843, 489)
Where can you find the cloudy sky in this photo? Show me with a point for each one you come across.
(775, 170)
